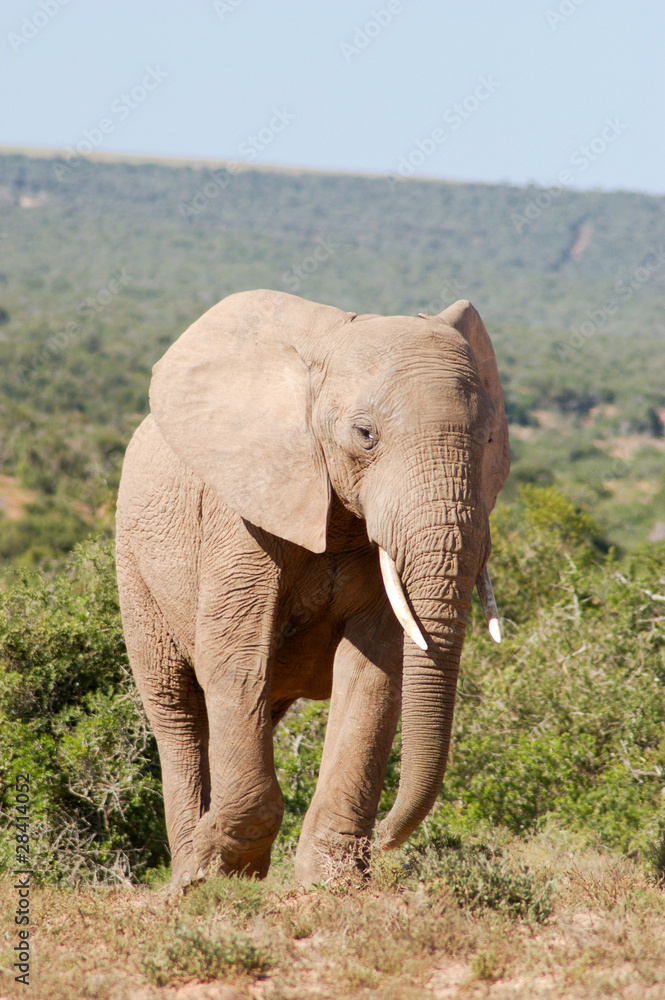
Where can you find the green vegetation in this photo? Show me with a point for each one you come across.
(546, 847)
(562, 726)
(187, 953)
(480, 878)
(105, 264)
(71, 718)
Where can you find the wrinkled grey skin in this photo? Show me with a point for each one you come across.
(288, 440)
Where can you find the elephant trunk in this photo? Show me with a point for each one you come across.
(439, 585)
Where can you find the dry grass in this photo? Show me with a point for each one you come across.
(395, 936)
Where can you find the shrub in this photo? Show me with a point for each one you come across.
(565, 720)
(70, 717)
(230, 896)
(188, 952)
(482, 878)
(298, 748)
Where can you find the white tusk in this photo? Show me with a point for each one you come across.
(397, 598)
(488, 604)
(494, 625)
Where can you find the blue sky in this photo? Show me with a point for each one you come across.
(517, 91)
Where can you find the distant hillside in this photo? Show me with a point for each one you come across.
(104, 264)
(481, 238)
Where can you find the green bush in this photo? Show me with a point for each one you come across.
(298, 745)
(565, 721)
(481, 878)
(534, 542)
(228, 896)
(189, 952)
(70, 717)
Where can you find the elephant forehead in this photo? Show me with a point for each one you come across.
(389, 349)
(419, 402)
(411, 375)
(374, 334)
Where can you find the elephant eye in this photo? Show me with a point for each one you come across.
(367, 438)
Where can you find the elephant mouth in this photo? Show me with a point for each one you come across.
(404, 615)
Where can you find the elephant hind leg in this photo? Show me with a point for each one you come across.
(175, 706)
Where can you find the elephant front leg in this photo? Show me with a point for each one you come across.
(246, 802)
(234, 627)
(364, 711)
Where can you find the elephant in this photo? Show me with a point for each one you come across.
(304, 514)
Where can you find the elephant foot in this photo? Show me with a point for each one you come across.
(183, 875)
(222, 852)
(219, 865)
(335, 858)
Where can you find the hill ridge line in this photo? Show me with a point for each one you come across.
(241, 166)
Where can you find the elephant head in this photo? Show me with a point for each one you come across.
(276, 402)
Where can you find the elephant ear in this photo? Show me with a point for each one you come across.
(232, 398)
(466, 319)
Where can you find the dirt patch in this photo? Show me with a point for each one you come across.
(582, 241)
(33, 201)
(522, 433)
(446, 981)
(628, 446)
(640, 490)
(14, 498)
(604, 411)
(547, 418)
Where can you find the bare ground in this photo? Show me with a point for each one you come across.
(388, 938)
